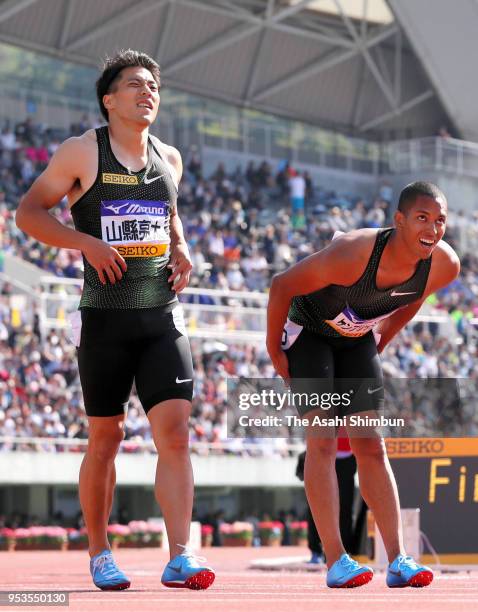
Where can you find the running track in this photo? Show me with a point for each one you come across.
(236, 587)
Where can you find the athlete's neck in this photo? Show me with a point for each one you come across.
(397, 251)
(129, 145)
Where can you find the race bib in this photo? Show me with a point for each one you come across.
(348, 323)
(290, 334)
(136, 228)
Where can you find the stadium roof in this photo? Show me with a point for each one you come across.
(338, 63)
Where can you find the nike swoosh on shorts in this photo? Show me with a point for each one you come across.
(181, 380)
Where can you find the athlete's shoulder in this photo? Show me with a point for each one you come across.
(447, 252)
(172, 155)
(89, 137)
(345, 258)
(75, 156)
(171, 152)
(446, 261)
(78, 145)
(363, 234)
(356, 243)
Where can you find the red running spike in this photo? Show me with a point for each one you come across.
(357, 581)
(198, 582)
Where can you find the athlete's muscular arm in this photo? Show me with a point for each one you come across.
(390, 327)
(180, 262)
(342, 262)
(445, 268)
(46, 192)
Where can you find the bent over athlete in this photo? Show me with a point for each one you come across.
(121, 184)
(321, 317)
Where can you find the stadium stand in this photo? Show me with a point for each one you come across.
(240, 232)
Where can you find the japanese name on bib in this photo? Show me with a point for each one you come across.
(136, 228)
(348, 323)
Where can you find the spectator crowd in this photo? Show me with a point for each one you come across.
(242, 227)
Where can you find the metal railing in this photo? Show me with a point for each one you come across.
(49, 108)
(298, 143)
(458, 157)
(269, 139)
(315, 147)
(231, 316)
(235, 446)
(228, 316)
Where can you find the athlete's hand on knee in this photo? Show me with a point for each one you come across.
(105, 260)
(181, 267)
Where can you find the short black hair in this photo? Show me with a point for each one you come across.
(414, 190)
(112, 68)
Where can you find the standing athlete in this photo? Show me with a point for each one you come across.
(121, 184)
(321, 317)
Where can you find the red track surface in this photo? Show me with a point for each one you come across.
(236, 587)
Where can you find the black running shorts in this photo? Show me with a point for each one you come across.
(319, 364)
(147, 346)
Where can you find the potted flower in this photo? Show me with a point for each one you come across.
(298, 533)
(117, 534)
(154, 536)
(206, 535)
(236, 534)
(142, 534)
(77, 538)
(23, 539)
(52, 538)
(134, 538)
(7, 539)
(270, 533)
(39, 537)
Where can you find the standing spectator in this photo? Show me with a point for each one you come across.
(386, 192)
(193, 163)
(270, 244)
(297, 196)
(309, 187)
(376, 215)
(358, 215)
(282, 178)
(251, 174)
(7, 139)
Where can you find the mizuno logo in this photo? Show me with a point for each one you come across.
(116, 209)
(181, 380)
(394, 293)
(370, 391)
(148, 180)
(153, 210)
(134, 208)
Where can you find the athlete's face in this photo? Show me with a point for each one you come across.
(135, 96)
(423, 225)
